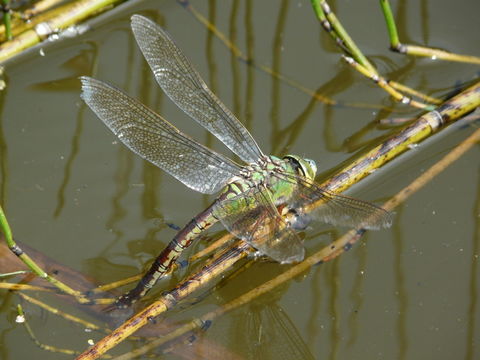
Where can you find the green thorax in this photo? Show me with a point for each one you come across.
(263, 175)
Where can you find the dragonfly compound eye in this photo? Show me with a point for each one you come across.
(306, 167)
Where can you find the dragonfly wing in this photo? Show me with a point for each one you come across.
(253, 217)
(335, 209)
(156, 140)
(182, 83)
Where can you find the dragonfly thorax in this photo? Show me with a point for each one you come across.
(259, 173)
(270, 172)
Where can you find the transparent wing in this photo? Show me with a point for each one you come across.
(253, 217)
(154, 139)
(319, 204)
(182, 83)
(266, 331)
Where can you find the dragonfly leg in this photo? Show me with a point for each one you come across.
(168, 256)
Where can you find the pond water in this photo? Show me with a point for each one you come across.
(74, 192)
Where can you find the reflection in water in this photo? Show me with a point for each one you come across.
(356, 294)
(3, 154)
(277, 45)
(122, 176)
(78, 65)
(266, 332)
(67, 170)
(265, 326)
(473, 327)
(400, 287)
(250, 85)
(234, 65)
(212, 73)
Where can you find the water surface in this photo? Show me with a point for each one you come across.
(71, 190)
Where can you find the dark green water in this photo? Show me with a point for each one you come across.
(73, 191)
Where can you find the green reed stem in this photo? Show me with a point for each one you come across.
(333, 26)
(7, 19)
(391, 27)
(32, 265)
(408, 49)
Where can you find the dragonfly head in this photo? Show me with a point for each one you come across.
(305, 167)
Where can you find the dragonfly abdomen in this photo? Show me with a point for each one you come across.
(163, 263)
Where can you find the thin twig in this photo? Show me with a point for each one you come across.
(66, 316)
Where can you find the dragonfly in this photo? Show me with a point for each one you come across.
(252, 196)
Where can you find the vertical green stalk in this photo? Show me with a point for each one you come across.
(392, 28)
(32, 265)
(7, 231)
(5, 227)
(409, 49)
(7, 19)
